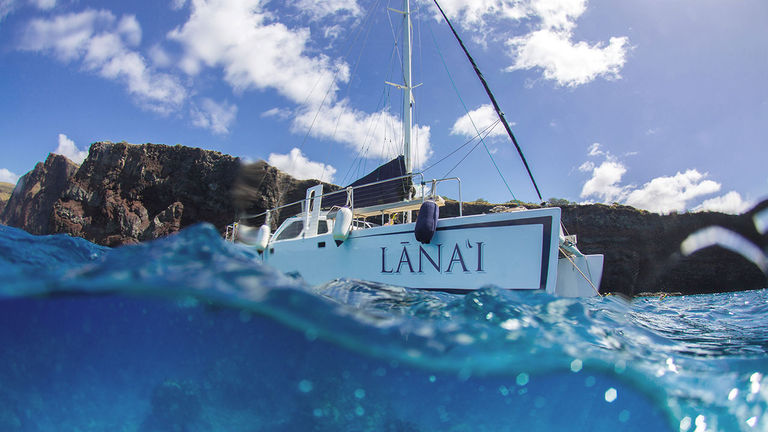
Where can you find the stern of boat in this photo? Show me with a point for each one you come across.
(579, 276)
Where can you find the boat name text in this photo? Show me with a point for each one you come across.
(466, 258)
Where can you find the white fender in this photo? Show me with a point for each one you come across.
(342, 225)
(262, 238)
(253, 237)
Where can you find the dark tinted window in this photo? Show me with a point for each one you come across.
(322, 227)
(291, 231)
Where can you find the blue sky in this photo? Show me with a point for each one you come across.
(658, 104)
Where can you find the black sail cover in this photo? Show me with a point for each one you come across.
(393, 190)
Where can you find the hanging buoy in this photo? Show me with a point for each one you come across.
(262, 238)
(253, 237)
(342, 225)
(426, 221)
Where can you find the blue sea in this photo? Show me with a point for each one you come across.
(190, 333)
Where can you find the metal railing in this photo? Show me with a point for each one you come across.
(350, 199)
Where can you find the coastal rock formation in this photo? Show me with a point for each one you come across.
(6, 189)
(29, 207)
(260, 186)
(643, 254)
(642, 249)
(126, 193)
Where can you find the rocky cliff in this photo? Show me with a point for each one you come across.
(5, 194)
(125, 193)
(29, 207)
(260, 187)
(642, 249)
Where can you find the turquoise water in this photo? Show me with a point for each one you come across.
(190, 334)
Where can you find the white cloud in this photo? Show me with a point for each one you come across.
(160, 56)
(605, 181)
(594, 150)
(334, 31)
(297, 165)
(672, 193)
(472, 13)
(569, 64)
(254, 51)
(662, 194)
(101, 43)
(365, 133)
(7, 176)
(217, 117)
(178, 4)
(482, 118)
(549, 46)
(558, 14)
(278, 113)
(731, 203)
(587, 166)
(6, 7)
(44, 4)
(321, 9)
(68, 148)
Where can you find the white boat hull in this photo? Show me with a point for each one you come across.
(517, 250)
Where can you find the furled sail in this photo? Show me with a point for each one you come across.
(388, 186)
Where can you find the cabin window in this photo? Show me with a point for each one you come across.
(291, 231)
(322, 227)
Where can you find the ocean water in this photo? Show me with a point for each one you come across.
(190, 334)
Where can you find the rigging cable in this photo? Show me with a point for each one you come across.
(470, 152)
(493, 100)
(482, 133)
(456, 90)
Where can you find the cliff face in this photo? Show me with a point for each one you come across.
(260, 187)
(5, 194)
(126, 193)
(642, 249)
(35, 194)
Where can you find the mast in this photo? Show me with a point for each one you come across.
(407, 94)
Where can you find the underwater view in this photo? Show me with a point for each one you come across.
(190, 333)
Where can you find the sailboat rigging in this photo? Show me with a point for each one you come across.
(354, 232)
(488, 91)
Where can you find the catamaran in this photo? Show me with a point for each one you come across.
(367, 230)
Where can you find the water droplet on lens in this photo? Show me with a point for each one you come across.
(305, 386)
(522, 379)
(685, 424)
(576, 365)
(624, 416)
